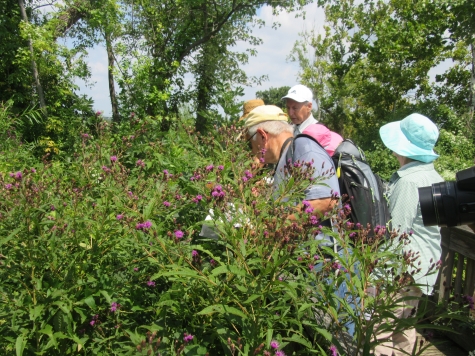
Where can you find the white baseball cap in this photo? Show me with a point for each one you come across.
(299, 93)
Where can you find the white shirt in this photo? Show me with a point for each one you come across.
(298, 129)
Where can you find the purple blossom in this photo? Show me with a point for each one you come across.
(119, 216)
(140, 163)
(311, 267)
(178, 234)
(212, 262)
(18, 175)
(358, 225)
(220, 167)
(313, 220)
(177, 196)
(248, 174)
(33, 170)
(144, 226)
(106, 169)
(8, 186)
(197, 199)
(274, 344)
(279, 353)
(52, 208)
(85, 135)
(209, 168)
(167, 204)
(114, 306)
(316, 257)
(165, 171)
(98, 113)
(309, 210)
(113, 158)
(336, 265)
(194, 253)
(151, 283)
(333, 350)
(136, 269)
(244, 179)
(187, 338)
(352, 235)
(306, 203)
(92, 322)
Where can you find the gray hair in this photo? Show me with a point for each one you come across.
(274, 128)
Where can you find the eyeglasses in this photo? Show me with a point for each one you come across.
(249, 143)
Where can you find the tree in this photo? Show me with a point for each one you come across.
(372, 64)
(273, 96)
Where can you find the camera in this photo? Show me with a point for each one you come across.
(449, 203)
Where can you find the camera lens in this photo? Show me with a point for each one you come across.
(439, 204)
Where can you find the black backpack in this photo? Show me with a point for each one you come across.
(365, 190)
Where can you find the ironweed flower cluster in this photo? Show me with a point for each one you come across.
(144, 226)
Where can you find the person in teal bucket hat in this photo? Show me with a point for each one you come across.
(412, 141)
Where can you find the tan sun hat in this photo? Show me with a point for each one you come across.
(265, 113)
(249, 105)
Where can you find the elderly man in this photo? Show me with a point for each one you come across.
(299, 107)
(269, 132)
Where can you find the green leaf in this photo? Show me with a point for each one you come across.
(222, 309)
(229, 269)
(20, 345)
(90, 302)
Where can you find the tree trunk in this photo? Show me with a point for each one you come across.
(39, 88)
(110, 72)
(472, 83)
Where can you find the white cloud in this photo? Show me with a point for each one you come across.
(271, 59)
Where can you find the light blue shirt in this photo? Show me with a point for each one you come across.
(406, 216)
(298, 129)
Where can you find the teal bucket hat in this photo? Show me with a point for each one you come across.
(414, 137)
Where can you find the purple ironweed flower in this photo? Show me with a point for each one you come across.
(266, 233)
(177, 196)
(18, 175)
(130, 193)
(119, 216)
(167, 204)
(262, 160)
(92, 322)
(280, 353)
(114, 306)
(52, 208)
(248, 174)
(333, 350)
(299, 258)
(467, 299)
(352, 235)
(281, 279)
(313, 220)
(316, 257)
(220, 167)
(212, 262)
(8, 186)
(187, 337)
(151, 283)
(197, 199)
(85, 135)
(98, 113)
(33, 170)
(311, 267)
(194, 253)
(132, 114)
(245, 179)
(347, 207)
(178, 234)
(106, 169)
(136, 269)
(209, 168)
(306, 203)
(411, 233)
(336, 265)
(274, 344)
(144, 226)
(165, 171)
(113, 158)
(358, 225)
(140, 163)
(309, 210)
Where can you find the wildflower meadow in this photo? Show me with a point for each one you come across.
(101, 251)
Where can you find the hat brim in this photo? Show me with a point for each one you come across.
(394, 139)
(295, 98)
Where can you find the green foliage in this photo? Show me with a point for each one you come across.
(100, 252)
(273, 96)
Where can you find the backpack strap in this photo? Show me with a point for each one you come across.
(290, 152)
